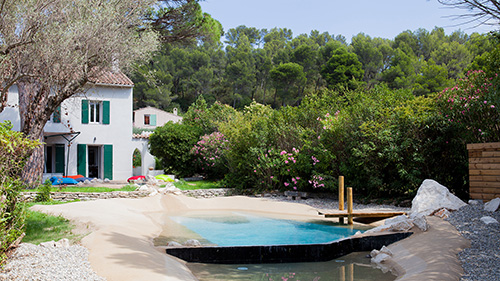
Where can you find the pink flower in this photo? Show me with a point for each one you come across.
(286, 184)
(286, 161)
(295, 188)
(283, 152)
(255, 171)
(492, 106)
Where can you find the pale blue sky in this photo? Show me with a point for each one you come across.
(377, 18)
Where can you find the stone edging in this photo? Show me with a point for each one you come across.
(85, 196)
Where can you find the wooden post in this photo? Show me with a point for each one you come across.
(341, 193)
(351, 272)
(342, 273)
(349, 205)
(341, 197)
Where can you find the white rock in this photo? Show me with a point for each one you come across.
(86, 182)
(106, 180)
(381, 258)
(151, 180)
(420, 221)
(48, 244)
(488, 220)
(493, 205)
(475, 202)
(432, 196)
(442, 213)
(144, 188)
(399, 223)
(154, 193)
(174, 244)
(386, 251)
(374, 253)
(192, 243)
(63, 243)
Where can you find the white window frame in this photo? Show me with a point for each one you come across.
(95, 112)
(149, 119)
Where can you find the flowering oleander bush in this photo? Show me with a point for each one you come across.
(473, 106)
(209, 154)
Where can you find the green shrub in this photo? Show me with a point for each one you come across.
(43, 194)
(14, 152)
(172, 144)
(473, 106)
(209, 155)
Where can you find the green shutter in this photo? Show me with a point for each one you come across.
(105, 112)
(152, 120)
(85, 111)
(60, 158)
(108, 161)
(81, 165)
(57, 115)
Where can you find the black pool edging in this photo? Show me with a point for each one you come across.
(285, 253)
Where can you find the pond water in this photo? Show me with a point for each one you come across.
(352, 267)
(244, 229)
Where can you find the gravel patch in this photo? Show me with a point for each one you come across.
(37, 263)
(329, 204)
(481, 261)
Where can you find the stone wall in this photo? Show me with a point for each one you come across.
(84, 196)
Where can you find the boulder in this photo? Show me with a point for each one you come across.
(432, 196)
(192, 243)
(174, 244)
(396, 224)
(475, 202)
(488, 220)
(420, 221)
(442, 213)
(493, 205)
(381, 258)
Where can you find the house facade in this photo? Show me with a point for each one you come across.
(150, 117)
(90, 134)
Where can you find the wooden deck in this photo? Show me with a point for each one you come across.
(362, 214)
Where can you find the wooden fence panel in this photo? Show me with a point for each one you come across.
(484, 170)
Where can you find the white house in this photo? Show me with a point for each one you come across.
(90, 134)
(150, 117)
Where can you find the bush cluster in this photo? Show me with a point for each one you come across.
(385, 142)
(14, 152)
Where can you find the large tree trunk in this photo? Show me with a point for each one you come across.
(33, 170)
(34, 113)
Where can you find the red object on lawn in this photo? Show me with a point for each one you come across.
(136, 178)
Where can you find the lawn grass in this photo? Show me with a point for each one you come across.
(191, 185)
(71, 188)
(41, 227)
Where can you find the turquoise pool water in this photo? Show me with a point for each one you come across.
(243, 229)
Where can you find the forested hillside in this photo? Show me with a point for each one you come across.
(275, 68)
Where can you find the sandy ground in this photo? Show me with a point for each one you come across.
(122, 232)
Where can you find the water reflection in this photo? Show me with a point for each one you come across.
(351, 267)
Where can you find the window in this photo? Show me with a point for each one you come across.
(150, 119)
(147, 119)
(95, 112)
(56, 116)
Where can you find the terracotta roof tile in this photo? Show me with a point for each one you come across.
(112, 78)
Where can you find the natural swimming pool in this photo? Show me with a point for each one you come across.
(246, 229)
(352, 267)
